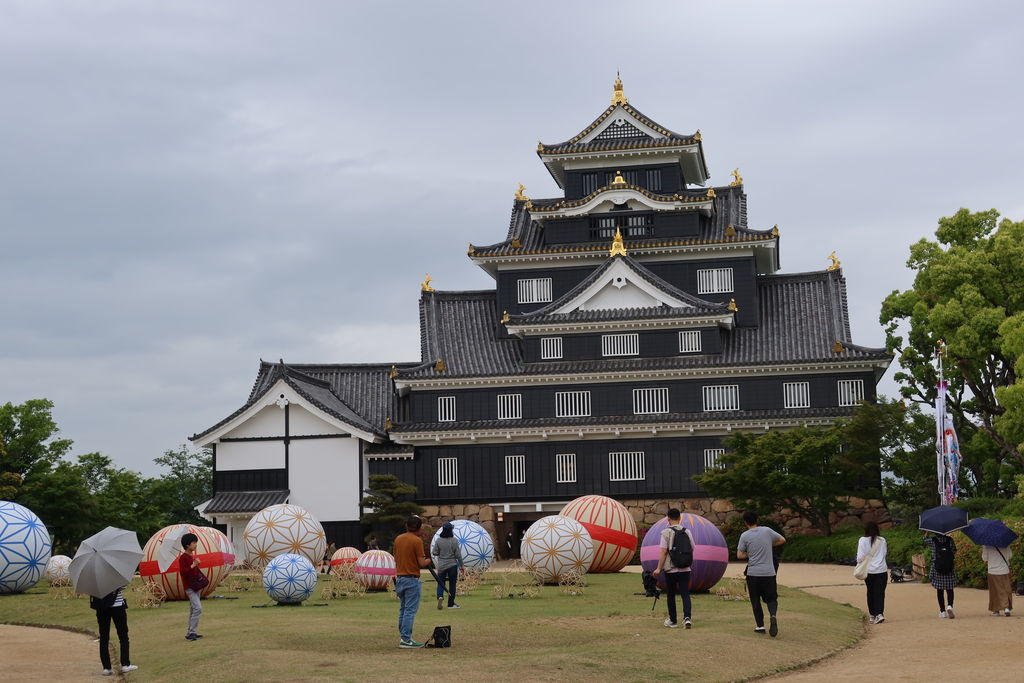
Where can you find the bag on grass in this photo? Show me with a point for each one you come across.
(441, 637)
(945, 552)
(681, 551)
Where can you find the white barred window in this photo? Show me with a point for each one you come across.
(534, 290)
(851, 391)
(510, 406)
(515, 469)
(689, 341)
(626, 466)
(565, 468)
(447, 471)
(650, 401)
(711, 457)
(796, 394)
(550, 348)
(714, 280)
(446, 409)
(572, 404)
(722, 397)
(627, 344)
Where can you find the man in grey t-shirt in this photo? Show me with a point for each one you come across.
(755, 546)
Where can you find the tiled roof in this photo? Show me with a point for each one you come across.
(244, 501)
(388, 448)
(687, 196)
(574, 145)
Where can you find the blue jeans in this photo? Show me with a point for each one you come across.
(408, 590)
(451, 575)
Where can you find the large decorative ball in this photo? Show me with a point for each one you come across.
(344, 557)
(58, 571)
(555, 545)
(214, 563)
(24, 548)
(710, 554)
(284, 528)
(475, 543)
(375, 569)
(225, 546)
(610, 525)
(289, 578)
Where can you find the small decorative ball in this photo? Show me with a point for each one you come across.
(289, 579)
(475, 543)
(375, 569)
(214, 563)
(343, 557)
(555, 545)
(58, 571)
(24, 548)
(610, 525)
(710, 553)
(284, 528)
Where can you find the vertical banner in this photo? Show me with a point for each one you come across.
(952, 462)
(940, 439)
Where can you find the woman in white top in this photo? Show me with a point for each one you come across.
(873, 545)
(1000, 593)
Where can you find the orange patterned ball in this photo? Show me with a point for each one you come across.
(213, 562)
(611, 527)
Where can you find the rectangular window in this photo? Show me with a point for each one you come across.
(589, 182)
(796, 394)
(510, 406)
(689, 341)
(626, 466)
(447, 471)
(722, 397)
(550, 348)
(639, 226)
(534, 290)
(851, 391)
(654, 180)
(565, 468)
(446, 409)
(711, 457)
(572, 404)
(714, 280)
(515, 469)
(627, 344)
(650, 401)
(631, 177)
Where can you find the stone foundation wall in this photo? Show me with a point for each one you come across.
(436, 515)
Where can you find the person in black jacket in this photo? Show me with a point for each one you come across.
(112, 607)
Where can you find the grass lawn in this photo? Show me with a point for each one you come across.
(606, 634)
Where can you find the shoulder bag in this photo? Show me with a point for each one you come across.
(860, 572)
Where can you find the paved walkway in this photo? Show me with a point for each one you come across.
(47, 654)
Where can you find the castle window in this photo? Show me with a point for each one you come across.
(711, 457)
(796, 394)
(446, 409)
(650, 401)
(689, 341)
(722, 397)
(620, 130)
(565, 468)
(515, 469)
(447, 471)
(572, 404)
(654, 180)
(589, 182)
(550, 348)
(626, 466)
(714, 280)
(510, 406)
(534, 290)
(851, 391)
(639, 226)
(627, 344)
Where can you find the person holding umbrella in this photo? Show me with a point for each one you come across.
(995, 537)
(112, 607)
(942, 521)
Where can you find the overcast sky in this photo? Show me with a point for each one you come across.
(188, 187)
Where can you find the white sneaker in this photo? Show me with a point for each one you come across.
(687, 623)
(1006, 612)
(671, 624)
(997, 614)
(108, 672)
(879, 618)
(949, 611)
(130, 667)
(942, 615)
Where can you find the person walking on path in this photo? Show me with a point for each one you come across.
(677, 579)
(112, 607)
(755, 546)
(409, 559)
(942, 573)
(188, 567)
(447, 556)
(1000, 592)
(874, 547)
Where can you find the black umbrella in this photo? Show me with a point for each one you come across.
(944, 519)
(990, 532)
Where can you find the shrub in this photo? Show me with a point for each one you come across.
(842, 545)
(972, 572)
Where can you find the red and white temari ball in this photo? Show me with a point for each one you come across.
(226, 547)
(58, 571)
(610, 525)
(212, 561)
(281, 529)
(344, 556)
(375, 569)
(554, 545)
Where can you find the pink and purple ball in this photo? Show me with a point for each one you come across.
(710, 553)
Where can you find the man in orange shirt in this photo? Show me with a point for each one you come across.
(409, 559)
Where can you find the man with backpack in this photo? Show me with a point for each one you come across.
(676, 558)
(755, 546)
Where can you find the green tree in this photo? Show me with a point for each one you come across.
(27, 442)
(62, 498)
(186, 482)
(390, 501)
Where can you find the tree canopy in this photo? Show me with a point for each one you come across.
(390, 501)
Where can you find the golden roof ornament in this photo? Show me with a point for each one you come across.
(711, 193)
(737, 178)
(425, 285)
(618, 97)
(618, 248)
(730, 230)
(505, 318)
(394, 372)
(619, 180)
(732, 305)
(471, 249)
(696, 136)
(440, 366)
(519, 193)
(516, 244)
(835, 262)
(838, 347)
(388, 424)
(775, 230)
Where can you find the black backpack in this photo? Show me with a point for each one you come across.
(945, 552)
(681, 551)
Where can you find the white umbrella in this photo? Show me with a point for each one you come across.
(170, 547)
(105, 561)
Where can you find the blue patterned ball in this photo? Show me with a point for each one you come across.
(24, 548)
(289, 578)
(474, 542)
